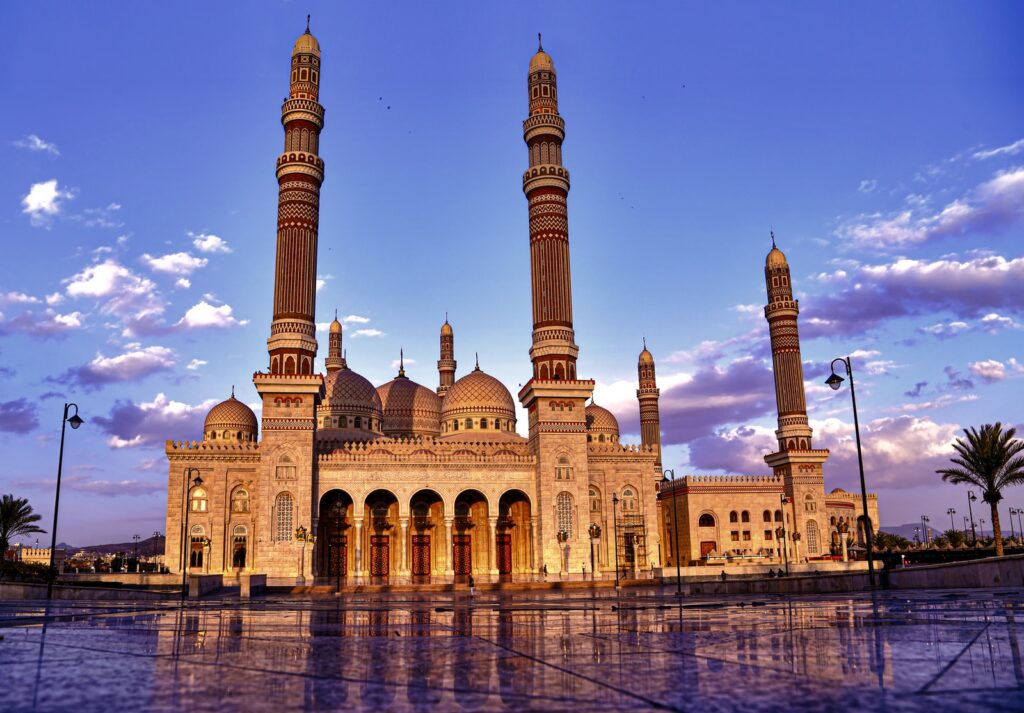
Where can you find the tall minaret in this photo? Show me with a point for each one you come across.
(446, 364)
(546, 185)
(647, 395)
(291, 391)
(796, 462)
(300, 171)
(335, 356)
(555, 398)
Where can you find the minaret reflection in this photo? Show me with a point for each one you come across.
(326, 687)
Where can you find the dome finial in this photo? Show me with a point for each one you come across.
(540, 46)
(477, 355)
(307, 24)
(232, 391)
(401, 362)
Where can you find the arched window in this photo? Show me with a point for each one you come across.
(455, 425)
(483, 423)
(745, 517)
(359, 421)
(595, 500)
(198, 500)
(600, 438)
(706, 520)
(629, 500)
(343, 422)
(285, 469)
(563, 512)
(778, 516)
(809, 504)
(734, 516)
(197, 539)
(469, 424)
(563, 471)
(812, 537)
(239, 546)
(240, 500)
(283, 507)
(766, 516)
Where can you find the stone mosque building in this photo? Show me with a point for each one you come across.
(402, 482)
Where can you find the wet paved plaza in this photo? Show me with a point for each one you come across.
(957, 650)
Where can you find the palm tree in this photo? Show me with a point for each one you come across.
(16, 518)
(990, 460)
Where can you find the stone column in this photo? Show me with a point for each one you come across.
(403, 564)
(536, 556)
(492, 557)
(531, 545)
(359, 549)
(446, 534)
(842, 542)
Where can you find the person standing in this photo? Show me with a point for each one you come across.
(472, 586)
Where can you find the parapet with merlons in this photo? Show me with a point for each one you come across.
(726, 484)
(193, 450)
(424, 450)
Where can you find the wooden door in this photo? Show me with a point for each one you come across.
(463, 554)
(421, 555)
(707, 547)
(504, 545)
(380, 555)
(337, 556)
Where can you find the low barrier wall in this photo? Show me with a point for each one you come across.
(251, 584)
(200, 585)
(145, 579)
(20, 590)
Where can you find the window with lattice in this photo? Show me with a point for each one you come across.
(563, 513)
(283, 517)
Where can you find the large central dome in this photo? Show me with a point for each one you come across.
(409, 409)
(351, 409)
(480, 405)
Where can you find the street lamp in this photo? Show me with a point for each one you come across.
(834, 382)
(917, 535)
(156, 540)
(186, 550)
(780, 533)
(75, 420)
(595, 532)
(1013, 535)
(615, 537)
(951, 512)
(971, 497)
(136, 538)
(675, 528)
(925, 537)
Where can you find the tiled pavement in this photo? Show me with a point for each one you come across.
(957, 650)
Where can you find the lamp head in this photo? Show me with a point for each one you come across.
(834, 381)
(198, 480)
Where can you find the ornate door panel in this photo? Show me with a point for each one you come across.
(337, 556)
(504, 546)
(707, 547)
(421, 555)
(463, 554)
(380, 555)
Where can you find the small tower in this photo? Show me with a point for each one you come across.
(446, 364)
(647, 395)
(335, 356)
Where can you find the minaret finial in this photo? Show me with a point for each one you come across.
(307, 24)
(540, 46)
(335, 312)
(446, 316)
(773, 237)
(645, 342)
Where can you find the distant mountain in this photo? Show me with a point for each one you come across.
(148, 547)
(908, 529)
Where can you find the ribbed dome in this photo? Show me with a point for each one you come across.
(232, 416)
(349, 391)
(602, 421)
(306, 44)
(478, 392)
(775, 258)
(541, 61)
(409, 408)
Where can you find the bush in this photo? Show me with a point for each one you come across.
(23, 572)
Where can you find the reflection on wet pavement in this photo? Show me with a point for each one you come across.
(937, 650)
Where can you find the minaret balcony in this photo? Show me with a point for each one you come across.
(544, 125)
(307, 109)
(546, 175)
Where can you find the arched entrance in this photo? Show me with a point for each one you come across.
(380, 538)
(425, 543)
(470, 542)
(334, 554)
(513, 536)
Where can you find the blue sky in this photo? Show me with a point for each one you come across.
(884, 143)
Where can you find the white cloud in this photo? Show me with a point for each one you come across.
(619, 396)
(203, 314)
(1008, 150)
(134, 364)
(43, 201)
(195, 364)
(867, 185)
(321, 280)
(183, 283)
(407, 360)
(944, 330)
(367, 333)
(940, 402)
(175, 263)
(993, 322)
(46, 324)
(34, 143)
(17, 298)
(131, 424)
(54, 298)
(880, 367)
(122, 292)
(354, 319)
(864, 353)
(118, 442)
(991, 370)
(209, 243)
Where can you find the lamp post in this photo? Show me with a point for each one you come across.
(982, 521)
(186, 550)
(136, 538)
(917, 535)
(835, 381)
(75, 420)
(925, 537)
(1017, 512)
(156, 541)
(594, 531)
(615, 537)
(1013, 534)
(951, 512)
(675, 529)
(971, 497)
(780, 533)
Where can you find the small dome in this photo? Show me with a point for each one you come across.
(646, 357)
(775, 259)
(306, 44)
(335, 327)
(349, 391)
(446, 329)
(541, 62)
(478, 392)
(234, 416)
(602, 421)
(409, 408)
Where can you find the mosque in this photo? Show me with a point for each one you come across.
(341, 480)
